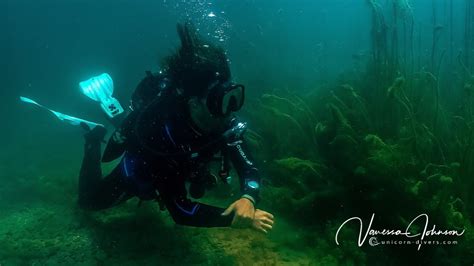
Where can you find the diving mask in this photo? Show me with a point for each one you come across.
(224, 98)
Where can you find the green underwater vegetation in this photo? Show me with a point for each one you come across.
(381, 141)
(349, 168)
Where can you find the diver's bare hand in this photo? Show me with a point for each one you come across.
(244, 213)
(263, 221)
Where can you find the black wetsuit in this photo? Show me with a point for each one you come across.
(162, 150)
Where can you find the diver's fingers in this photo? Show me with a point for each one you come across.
(263, 230)
(266, 226)
(266, 221)
(269, 215)
(266, 216)
(264, 213)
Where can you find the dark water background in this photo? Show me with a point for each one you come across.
(47, 47)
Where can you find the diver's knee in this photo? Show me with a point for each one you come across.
(87, 204)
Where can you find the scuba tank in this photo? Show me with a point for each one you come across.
(146, 91)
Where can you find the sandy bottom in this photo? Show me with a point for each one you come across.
(41, 224)
(48, 234)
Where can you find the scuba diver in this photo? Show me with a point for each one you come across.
(181, 118)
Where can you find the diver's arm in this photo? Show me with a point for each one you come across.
(184, 211)
(191, 213)
(246, 215)
(248, 173)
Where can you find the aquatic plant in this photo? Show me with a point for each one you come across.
(468, 32)
(360, 168)
(379, 33)
(286, 123)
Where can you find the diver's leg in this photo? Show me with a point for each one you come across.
(94, 192)
(91, 172)
(110, 191)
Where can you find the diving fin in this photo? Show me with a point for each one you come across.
(100, 89)
(63, 117)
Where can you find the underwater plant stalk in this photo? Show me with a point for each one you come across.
(412, 41)
(379, 35)
(468, 147)
(413, 126)
(467, 32)
(437, 29)
(395, 34)
(461, 62)
(409, 37)
(435, 120)
(451, 33)
(310, 115)
(438, 143)
(433, 42)
(399, 94)
(419, 47)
